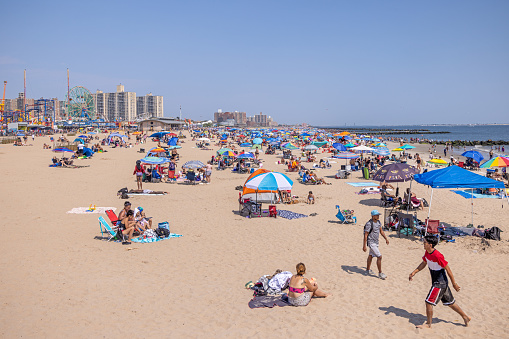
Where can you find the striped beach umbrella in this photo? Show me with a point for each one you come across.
(271, 181)
(496, 162)
(193, 164)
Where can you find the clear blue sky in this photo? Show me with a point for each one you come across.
(320, 62)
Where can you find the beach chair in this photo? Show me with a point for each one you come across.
(110, 231)
(432, 227)
(112, 216)
(461, 164)
(345, 218)
(191, 177)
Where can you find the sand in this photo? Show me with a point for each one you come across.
(58, 280)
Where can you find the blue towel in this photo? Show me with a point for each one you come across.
(464, 194)
(290, 215)
(468, 194)
(362, 184)
(155, 239)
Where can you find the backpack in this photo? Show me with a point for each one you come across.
(162, 232)
(493, 233)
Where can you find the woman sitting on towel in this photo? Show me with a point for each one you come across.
(302, 289)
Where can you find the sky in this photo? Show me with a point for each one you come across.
(325, 63)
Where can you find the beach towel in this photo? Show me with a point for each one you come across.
(155, 239)
(147, 192)
(362, 184)
(290, 215)
(468, 195)
(369, 190)
(87, 210)
(269, 301)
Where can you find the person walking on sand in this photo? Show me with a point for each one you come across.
(440, 290)
(372, 231)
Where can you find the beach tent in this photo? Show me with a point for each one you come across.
(173, 141)
(87, 152)
(455, 177)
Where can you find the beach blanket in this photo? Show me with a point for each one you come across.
(469, 195)
(362, 184)
(146, 192)
(369, 190)
(87, 210)
(290, 215)
(269, 301)
(154, 239)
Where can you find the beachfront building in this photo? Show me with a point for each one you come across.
(118, 106)
(149, 106)
(226, 118)
(157, 124)
(260, 120)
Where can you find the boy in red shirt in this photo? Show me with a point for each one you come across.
(439, 284)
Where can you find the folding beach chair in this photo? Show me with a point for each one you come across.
(272, 211)
(112, 216)
(432, 227)
(345, 218)
(111, 232)
(191, 177)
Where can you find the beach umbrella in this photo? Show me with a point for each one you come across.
(399, 149)
(339, 146)
(171, 134)
(229, 154)
(136, 133)
(319, 143)
(247, 155)
(271, 181)
(79, 140)
(257, 141)
(438, 162)
(193, 164)
(82, 136)
(245, 144)
(154, 160)
(349, 145)
(397, 172)
(346, 155)
(290, 146)
(407, 146)
(256, 147)
(496, 162)
(91, 133)
(157, 150)
(63, 150)
(222, 150)
(477, 156)
(344, 133)
(204, 139)
(380, 144)
(310, 148)
(362, 148)
(174, 147)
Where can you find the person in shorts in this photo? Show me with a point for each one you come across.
(372, 231)
(440, 291)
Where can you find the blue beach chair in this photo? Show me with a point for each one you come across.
(107, 229)
(345, 218)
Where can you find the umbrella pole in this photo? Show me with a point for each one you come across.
(430, 200)
(409, 194)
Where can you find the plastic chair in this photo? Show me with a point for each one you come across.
(345, 218)
(432, 227)
(112, 216)
(111, 232)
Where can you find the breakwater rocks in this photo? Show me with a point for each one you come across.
(384, 131)
(467, 142)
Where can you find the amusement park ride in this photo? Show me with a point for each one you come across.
(79, 107)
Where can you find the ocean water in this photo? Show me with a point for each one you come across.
(457, 132)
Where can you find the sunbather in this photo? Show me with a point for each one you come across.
(302, 289)
(416, 202)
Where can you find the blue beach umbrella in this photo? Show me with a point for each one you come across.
(245, 144)
(246, 156)
(257, 141)
(339, 146)
(477, 156)
(193, 164)
(154, 160)
(63, 149)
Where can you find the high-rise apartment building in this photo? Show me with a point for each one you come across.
(118, 106)
(149, 106)
(239, 117)
(18, 103)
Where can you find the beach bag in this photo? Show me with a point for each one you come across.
(165, 225)
(149, 234)
(493, 233)
(162, 232)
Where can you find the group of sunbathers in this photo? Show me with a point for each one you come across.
(131, 221)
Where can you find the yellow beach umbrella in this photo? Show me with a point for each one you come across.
(438, 161)
(398, 150)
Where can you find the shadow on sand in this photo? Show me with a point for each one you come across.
(413, 318)
(371, 202)
(356, 270)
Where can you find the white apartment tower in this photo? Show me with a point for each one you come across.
(149, 106)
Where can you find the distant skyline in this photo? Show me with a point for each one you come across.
(325, 63)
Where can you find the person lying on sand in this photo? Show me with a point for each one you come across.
(301, 289)
(439, 291)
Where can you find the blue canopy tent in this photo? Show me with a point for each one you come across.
(455, 177)
(87, 152)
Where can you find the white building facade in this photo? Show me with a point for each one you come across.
(149, 106)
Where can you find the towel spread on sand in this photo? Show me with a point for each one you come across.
(362, 184)
(86, 210)
(469, 195)
(154, 239)
(269, 301)
(290, 215)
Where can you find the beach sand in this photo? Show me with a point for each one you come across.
(58, 280)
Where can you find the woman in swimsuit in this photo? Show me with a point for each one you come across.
(301, 289)
(139, 170)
